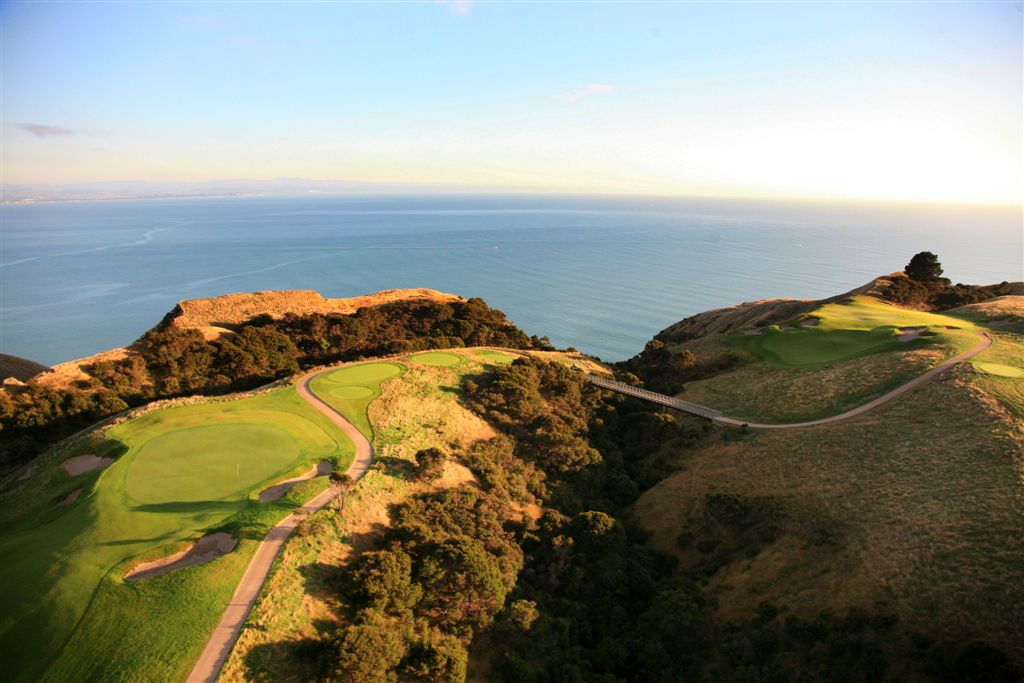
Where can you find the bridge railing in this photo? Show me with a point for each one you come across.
(654, 397)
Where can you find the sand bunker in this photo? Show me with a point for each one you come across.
(277, 490)
(910, 333)
(752, 333)
(810, 321)
(80, 464)
(205, 549)
(71, 497)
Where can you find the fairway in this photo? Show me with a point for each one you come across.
(187, 469)
(351, 388)
(209, 462)
(998, 369)
(858, 328)
(495, 357)
(445, 360)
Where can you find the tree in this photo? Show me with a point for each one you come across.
(924, 266)
(430, 463)
(369, 651)
(342, 484)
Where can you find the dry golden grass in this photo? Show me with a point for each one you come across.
(64, 375)
(565, 358)
(233, 309)
(993, 309)
(759, 391)
(921, 498)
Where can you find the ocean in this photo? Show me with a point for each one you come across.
(600, 274)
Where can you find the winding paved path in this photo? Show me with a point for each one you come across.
(224, 636)
(718, 417)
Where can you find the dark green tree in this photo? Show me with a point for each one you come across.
(924, 266)
(430, 463)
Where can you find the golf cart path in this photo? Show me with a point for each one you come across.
(717, 417)
(984, 343)
(226, 633)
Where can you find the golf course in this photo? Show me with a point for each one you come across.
(186, 471)
(844, 331)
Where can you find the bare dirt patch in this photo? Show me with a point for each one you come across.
(910, 333)
(71, 497)
(80, 464)
(277, 490)
(205, 549)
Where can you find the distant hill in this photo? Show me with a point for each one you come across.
(19, 368)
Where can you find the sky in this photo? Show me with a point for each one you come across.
(892, 101)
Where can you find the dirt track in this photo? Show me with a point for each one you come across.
(226, 633)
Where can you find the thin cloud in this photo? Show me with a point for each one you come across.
(457, 6)
(43, 131)
(587, 90)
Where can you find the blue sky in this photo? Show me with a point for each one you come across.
(911, 101)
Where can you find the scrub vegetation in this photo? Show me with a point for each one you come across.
(170, 361)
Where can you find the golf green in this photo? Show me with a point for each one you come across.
(351, 388)
(998, 369)
(856, 328)
(445, 360)
(496, 357)
(209, 462)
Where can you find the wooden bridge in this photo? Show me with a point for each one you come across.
(653, 397)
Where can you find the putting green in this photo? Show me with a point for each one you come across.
(363, 374)
(208, 462)
(860, 327)
(347, 392)
(445, 360)
(998, 369)
(496, 357)
(350, 389)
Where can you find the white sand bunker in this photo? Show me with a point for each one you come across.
(205, 549)
(277, 490)
(80, 464)
(753, 332)
(71, 497)
(910, 333)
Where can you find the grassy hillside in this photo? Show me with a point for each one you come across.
(910, 508)
(834, 358)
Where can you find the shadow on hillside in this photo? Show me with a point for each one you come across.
(299, 660)
(328, 582)
(195, 506)
(396, 467)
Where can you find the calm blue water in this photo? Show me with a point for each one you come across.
(598, 274)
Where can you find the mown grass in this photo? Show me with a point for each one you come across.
(352, 388)
(849, 356)
(860, 327)
(438, 358)
(68, 615)
(1007, 351)
(496, 357)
